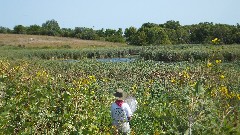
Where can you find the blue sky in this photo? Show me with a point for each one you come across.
(116, 14)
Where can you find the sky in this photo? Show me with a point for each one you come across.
(116, 14)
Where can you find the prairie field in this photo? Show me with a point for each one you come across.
(55, 85)
(37, 41)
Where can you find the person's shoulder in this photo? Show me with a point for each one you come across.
(113, 104)
(125, 104)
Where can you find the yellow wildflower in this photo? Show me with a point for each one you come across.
(147, 94)
(238, 96)
(85, 81)
(209, 64)
(92, 77)
(193, 84)
(216, 41)
(144, 103)
(134, 87)
(185, 74)
(222, 76)
(105, 80)
(213, 94)
(156, 132)
(218, 61)
(151, 81)
(173, 80)
(224, 90)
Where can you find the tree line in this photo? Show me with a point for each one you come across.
(170, 32)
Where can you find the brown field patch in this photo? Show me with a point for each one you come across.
(51, 41)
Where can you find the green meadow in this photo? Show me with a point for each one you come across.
(181, 89)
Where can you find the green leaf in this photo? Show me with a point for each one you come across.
(199, 90)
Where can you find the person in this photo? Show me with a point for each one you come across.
(121, 113)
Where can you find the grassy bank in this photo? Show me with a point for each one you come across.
(37, 41)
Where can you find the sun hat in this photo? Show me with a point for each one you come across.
(120, 94)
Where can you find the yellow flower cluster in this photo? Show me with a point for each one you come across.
(173, 80)
(222, 76)
(85, 82)
(216, 41)
(42, 73)
(209, 64)
(185, 74)
(4, 65)
(134, 88)
(238, 96)
(225, 92)
(218, 61)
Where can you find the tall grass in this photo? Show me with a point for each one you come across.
(191, 53)
(174, 53)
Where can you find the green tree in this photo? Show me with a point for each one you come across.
(89, 34)
(129, 34)
(100, 33)
(224, 32)
(119, 32)
(112, 35)
(34, 30)
(155, 35)
(78, 30)
(139, 38)
(5, 30)
(19, 29)
(236, 38)
(67, 32)
(173, 35)
(85, 33)
(200, 33)
(172, 24)
(149, 25)
(51, 28)
(183, 35)
(110, 32)
(236, 34)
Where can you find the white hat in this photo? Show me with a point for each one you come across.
(120, 94)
